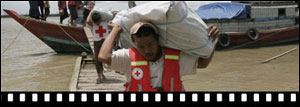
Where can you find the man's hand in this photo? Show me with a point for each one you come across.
(115, 26)
(213, 32)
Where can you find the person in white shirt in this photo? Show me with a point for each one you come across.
(100, 32)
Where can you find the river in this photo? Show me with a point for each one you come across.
(30, 65)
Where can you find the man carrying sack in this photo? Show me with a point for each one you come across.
(149, 66)
(98, 20)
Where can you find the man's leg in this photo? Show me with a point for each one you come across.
(73, 13)
(47, 12)
(86, 13)
(102, 70)
(99, 68)
(64, 16)
(61, 19)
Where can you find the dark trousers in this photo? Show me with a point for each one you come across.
(47, 11)
(73, 12)
(86, 14)
(41, 4)
(97, 46)
(64, 15)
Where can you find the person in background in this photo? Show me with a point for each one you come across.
(34, 9)
(131, 4)
(100, 31)
(47, 9)
(73, 11)
(41, 5)
(80, 9)
(89, 7)
(79, 5)
(63, 12)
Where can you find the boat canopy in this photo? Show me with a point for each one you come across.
(224, 11)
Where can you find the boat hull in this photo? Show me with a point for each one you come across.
(61, 38)
(266, 37)
(68, 39)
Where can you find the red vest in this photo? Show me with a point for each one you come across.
(140, 72)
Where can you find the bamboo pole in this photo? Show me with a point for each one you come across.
(277, 56)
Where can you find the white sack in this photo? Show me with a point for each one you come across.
(104, 14)
(179, 26)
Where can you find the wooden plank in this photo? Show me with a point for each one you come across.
(87, 75)
(89, 34)
(87, 90)
(87, 78)
(80, 85)
(74, 79)
(100, 87)
(93, 80)
(88, 59)
(84, 78)
(90, 71)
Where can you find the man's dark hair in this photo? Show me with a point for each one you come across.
(144, 32)
(96, 17)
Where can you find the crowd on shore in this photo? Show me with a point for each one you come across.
(41, 9)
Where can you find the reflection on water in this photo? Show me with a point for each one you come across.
(29, 64)
(42, 54)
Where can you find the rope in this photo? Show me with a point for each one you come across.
(253, 41)
(73, 38)
(15, 38)
(280, 55)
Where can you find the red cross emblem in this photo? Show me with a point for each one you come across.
(101, 31)
(137, 73)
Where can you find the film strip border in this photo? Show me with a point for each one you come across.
(194, 98)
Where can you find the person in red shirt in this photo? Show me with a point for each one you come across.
(62, 6)
(73, 11)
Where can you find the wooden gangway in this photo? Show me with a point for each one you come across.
(85, 75)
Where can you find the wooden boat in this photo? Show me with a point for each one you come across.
(61, 38)
(279, 25)
(268, 23)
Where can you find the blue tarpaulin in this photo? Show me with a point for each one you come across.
(224, 11)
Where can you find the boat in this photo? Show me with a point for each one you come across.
(252, 23)
(61, 38)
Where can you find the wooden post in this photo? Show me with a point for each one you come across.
(89, 35)
(74, 79)
(275, 57)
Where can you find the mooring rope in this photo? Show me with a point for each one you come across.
(73, 38)
(15, 38)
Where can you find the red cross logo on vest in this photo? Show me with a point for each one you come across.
(137, 73)
(101, 31)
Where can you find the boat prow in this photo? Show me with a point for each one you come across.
(61, 38)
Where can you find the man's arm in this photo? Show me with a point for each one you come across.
(105, 53)
(213, 33)
(88, 19)
(203, 62)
